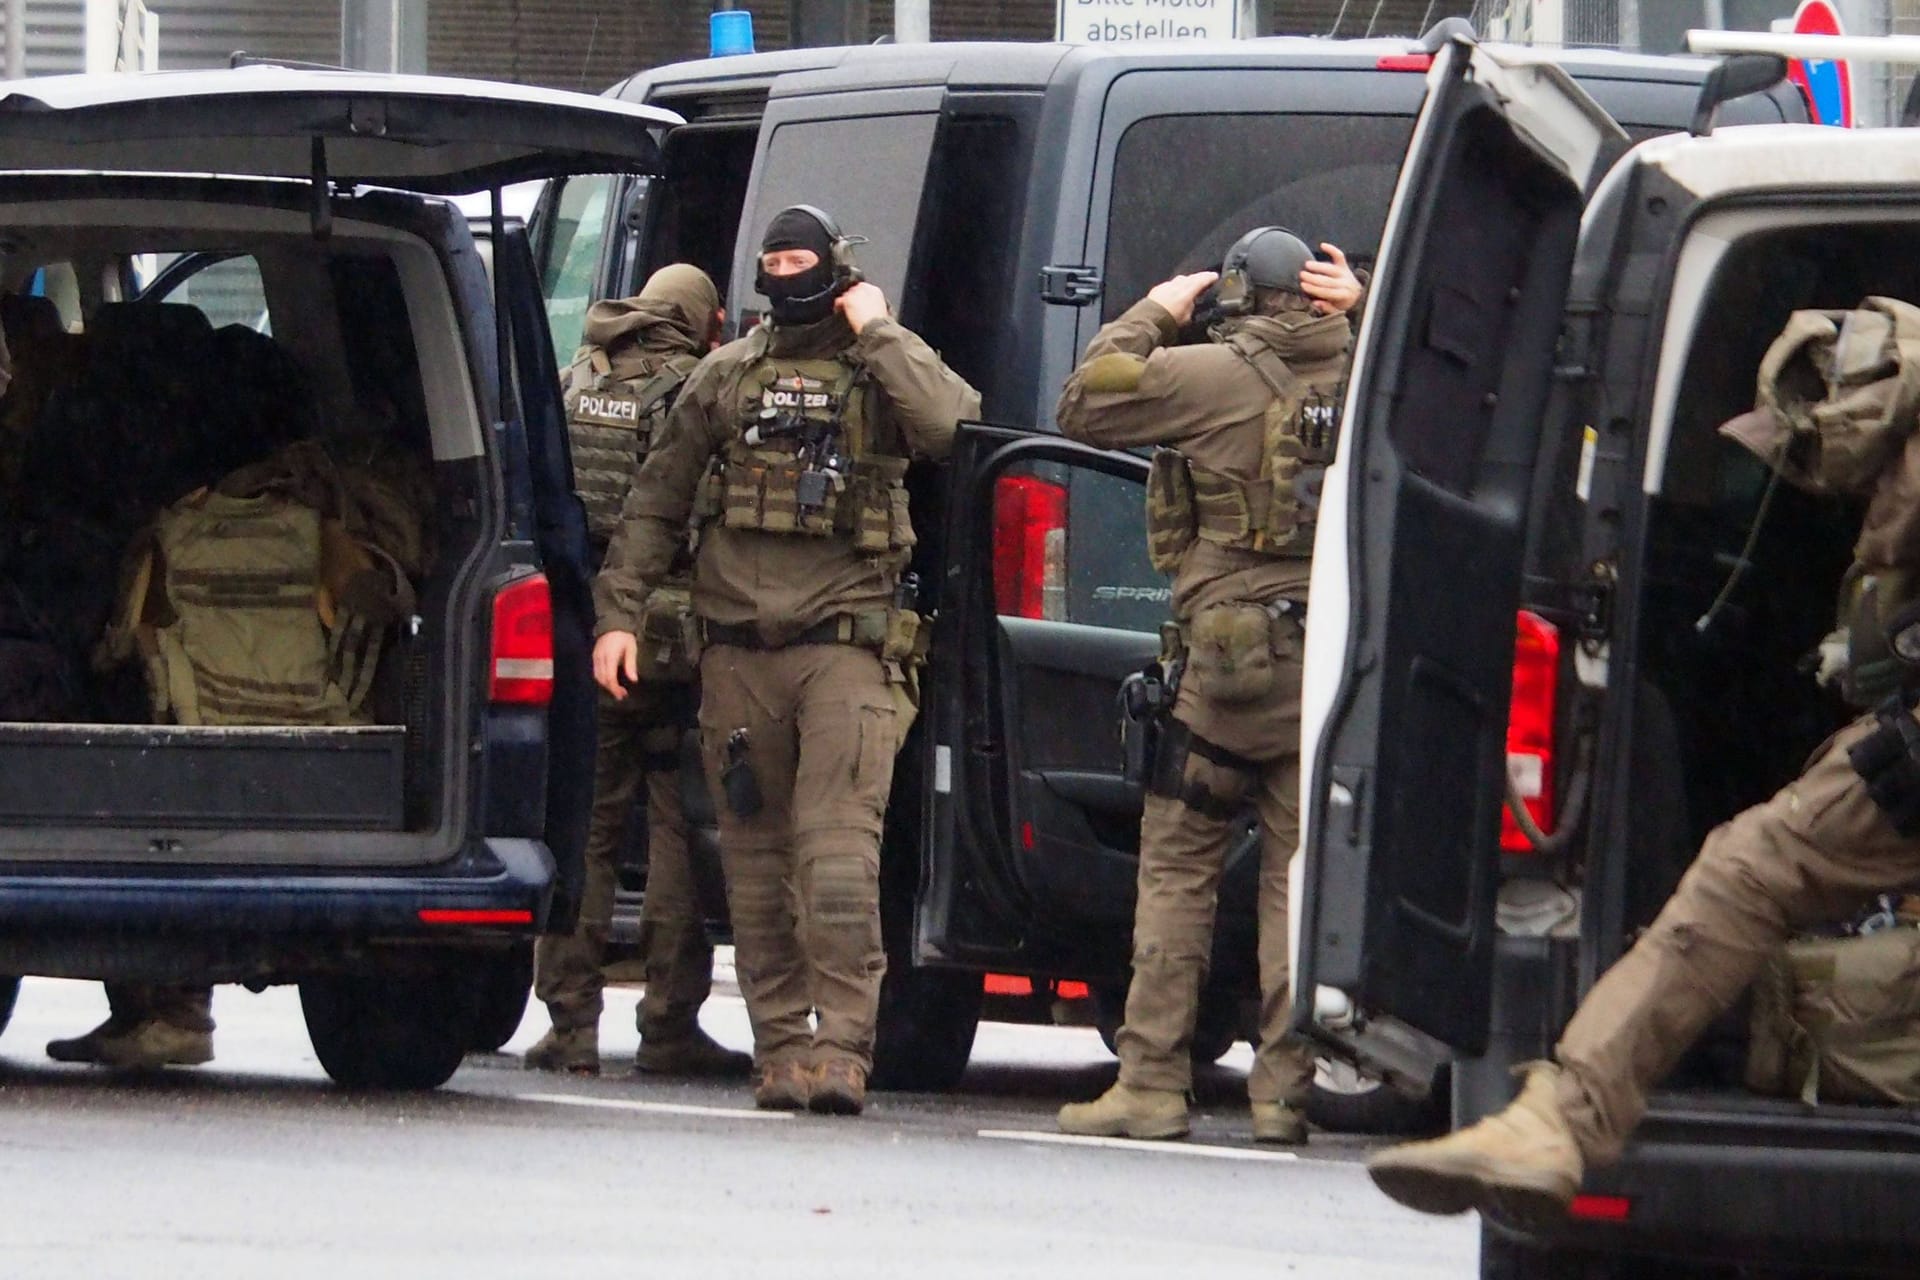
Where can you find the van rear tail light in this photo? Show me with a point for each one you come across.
(1601, 1208)
(1405, 62)
(521, 658)
(1536, 678)
(1030, 548)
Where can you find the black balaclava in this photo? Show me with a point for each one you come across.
(807, 297)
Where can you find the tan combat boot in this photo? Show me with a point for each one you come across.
(783, 1086)
(1278, 1123)
(1522, 1162)
(572, 1050)
(839, 1088)
(695, 1054)
(1126, 1112)
(93, 1045)
(154, 1044)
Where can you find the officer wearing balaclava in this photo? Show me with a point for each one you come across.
(788, 449)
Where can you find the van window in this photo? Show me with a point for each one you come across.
(963, 283)
(579, 225)
(867, 172)
(700, 202)
(1186, 187)
(226, 291)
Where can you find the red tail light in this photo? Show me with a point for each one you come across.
(1029, 547)
(459, 915)
(1536, 678)
(1601, 1208)
(1405, 62)
(521, 662)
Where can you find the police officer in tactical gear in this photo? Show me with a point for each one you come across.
(1837, 402)
(635, 356)
(1245, 426)
(788, 448)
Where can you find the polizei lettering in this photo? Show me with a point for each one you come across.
(610, 411)
(799, 394)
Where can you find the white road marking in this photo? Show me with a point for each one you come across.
(656, 1108)
(1136, 1144)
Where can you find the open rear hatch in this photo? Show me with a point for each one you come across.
(337, 131)
(1417, 572)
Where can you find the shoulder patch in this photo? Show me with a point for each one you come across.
(1116, 371)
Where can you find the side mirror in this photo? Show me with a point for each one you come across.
(1735, 77)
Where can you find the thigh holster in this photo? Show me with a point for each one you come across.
(1169, 777)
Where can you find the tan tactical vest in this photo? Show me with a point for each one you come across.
(1273, 514)
(805, 461)
(252, 605)
(612, 423)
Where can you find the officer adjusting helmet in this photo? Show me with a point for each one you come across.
(1264, 258)
(807, 296)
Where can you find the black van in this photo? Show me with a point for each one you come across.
(166, 325)
(1531, 469)
(1015, 197)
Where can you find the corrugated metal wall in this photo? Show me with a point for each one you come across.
(193, 33)
(56, 36)
(201, 33)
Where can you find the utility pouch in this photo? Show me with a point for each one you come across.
(664, 655)
(1888, 761)
(736, 778)
(1230, 652)
(1172, 524)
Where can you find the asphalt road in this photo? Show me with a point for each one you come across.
(256, 1166)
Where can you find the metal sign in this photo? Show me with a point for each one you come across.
(1127, 21)
(1826, 82)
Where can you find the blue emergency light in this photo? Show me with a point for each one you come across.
(730, 31)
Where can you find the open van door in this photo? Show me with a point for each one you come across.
(1417, 573)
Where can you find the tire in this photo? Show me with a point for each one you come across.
(1347, 1101)
(9, 993)
(927, 1022)
(390, 1030)
(505, 986)
(1215, 1032)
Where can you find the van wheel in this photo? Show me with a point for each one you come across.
(1215, 1032)
(9, 992)
(1347, 1100)
(505, 982)
(389, 1030)
(927, 1022)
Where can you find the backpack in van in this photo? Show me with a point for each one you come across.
(267, 599)
(1838, 1020)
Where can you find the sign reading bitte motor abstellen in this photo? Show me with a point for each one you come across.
(1125, 21)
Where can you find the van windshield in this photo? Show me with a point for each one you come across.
(1185, 187)
(866, 172)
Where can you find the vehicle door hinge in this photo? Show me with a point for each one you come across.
(1593, 635)
(1573, 355)
(1070, 286)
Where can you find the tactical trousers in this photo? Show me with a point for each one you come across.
(803, 873)
(1182, 853)
(190, 1008)
(637, 738)
(1817, 852)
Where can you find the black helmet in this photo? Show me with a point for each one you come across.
(1264, 258)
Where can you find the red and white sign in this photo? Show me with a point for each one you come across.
(1827, 84)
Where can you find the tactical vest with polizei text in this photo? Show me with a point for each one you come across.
(1273, 514)
(612, 423)
(804, 459)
